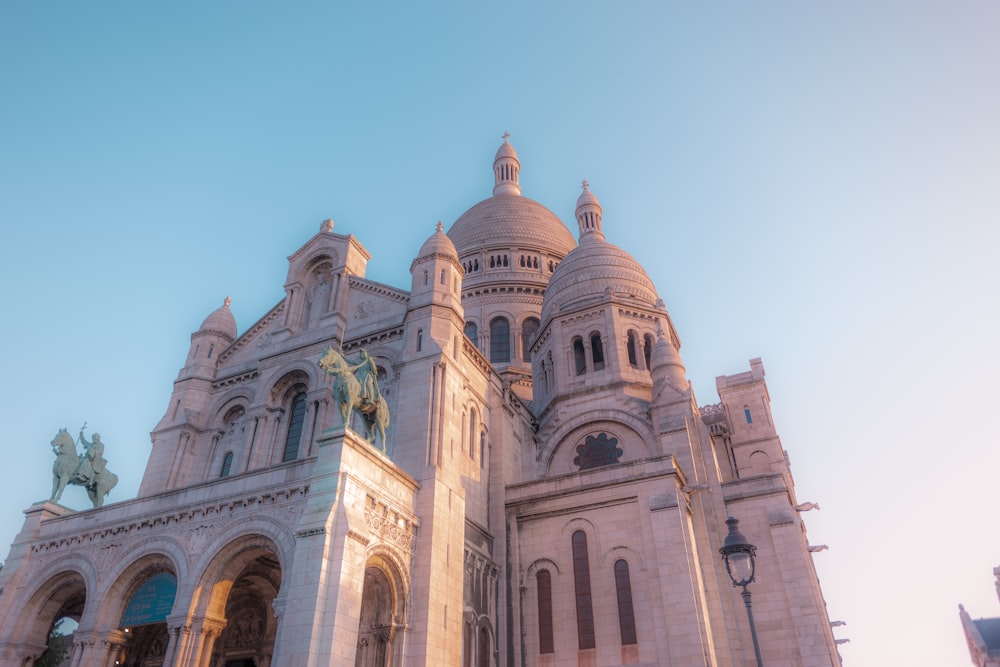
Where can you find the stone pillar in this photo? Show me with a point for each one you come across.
(679, 607)
(205, 632)
(113, 643)
(179, 633)
(320, 615)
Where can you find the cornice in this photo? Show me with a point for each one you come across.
(229, 509)
(380, 289)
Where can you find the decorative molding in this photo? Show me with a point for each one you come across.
(390, 532)
(383, 336)
(473, 354)
(206, 517)
(379, 289)
(636, 315)
(240, 378)
(582, 317)
(354, 535)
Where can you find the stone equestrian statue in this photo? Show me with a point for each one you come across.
(358, 393)
(89, 470)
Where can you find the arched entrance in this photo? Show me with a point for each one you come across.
(248, 638)
(44, 633)
(381, 621)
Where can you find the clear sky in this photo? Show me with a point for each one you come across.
(817, 184)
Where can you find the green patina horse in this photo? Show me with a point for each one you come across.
(70, 468)
(354, 395)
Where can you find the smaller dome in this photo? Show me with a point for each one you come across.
(220, 322)
(596, 268)
(438, 244)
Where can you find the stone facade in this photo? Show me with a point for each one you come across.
(550, 492)
(982, 634)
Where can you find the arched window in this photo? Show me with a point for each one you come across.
(647, 348)
(550, 371)
(546, 641)
(227, 463)
(597, 350)
(420, 339)
(579, 357)
(626, 613)
(500, 341)
(473, 432)
(472, 332)
(633, 360)
(467, 646)
(295, 424)
(444, 274)
(425, 277)
(484, 648)
(528, 330)
(581, 583)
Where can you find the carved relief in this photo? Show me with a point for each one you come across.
(365, 310)
(391, 526)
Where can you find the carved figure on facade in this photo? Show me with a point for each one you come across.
(89, 470)
(355, 387)
(319, 299)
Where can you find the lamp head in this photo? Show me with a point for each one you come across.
(738, 554)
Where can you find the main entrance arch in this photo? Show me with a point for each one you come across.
(381, 622)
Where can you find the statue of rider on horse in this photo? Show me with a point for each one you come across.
(89, 470)
(358, 393)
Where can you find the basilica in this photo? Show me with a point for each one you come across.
(500, 464)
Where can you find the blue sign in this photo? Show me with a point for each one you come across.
(152, 602)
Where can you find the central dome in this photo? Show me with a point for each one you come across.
(510, 221)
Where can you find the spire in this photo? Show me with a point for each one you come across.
(506, 169)
(588, 214)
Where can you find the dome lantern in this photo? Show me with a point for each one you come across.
(588, 214)
(506, 169)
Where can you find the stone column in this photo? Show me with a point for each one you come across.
(205, 631)
(114, 642)
(179, 632)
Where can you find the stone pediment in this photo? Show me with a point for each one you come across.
(372, 306)
(255, 340)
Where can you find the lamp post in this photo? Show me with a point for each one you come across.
(740, 558)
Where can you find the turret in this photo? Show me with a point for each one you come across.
(215, 334)
(437, 275)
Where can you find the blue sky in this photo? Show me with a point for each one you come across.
(815, 184)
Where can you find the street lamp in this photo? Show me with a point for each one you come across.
(740, 558)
